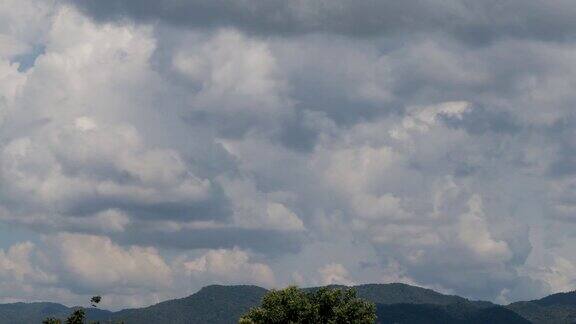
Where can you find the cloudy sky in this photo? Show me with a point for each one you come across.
(149, 148)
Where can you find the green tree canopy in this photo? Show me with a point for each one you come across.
(323, 306)
(77, 317)
(51, 320)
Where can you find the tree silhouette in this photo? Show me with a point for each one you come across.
(95, 301)
(77, 317)
(322, 306)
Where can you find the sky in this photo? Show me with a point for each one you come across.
(151, 147)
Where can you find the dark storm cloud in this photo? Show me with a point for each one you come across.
(472, 21)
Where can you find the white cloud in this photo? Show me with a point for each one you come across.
(17, 265)
(433, 157)
(474, 233)
(335, 274)
(66, 166)
(229, 266)
(11, 82)
(559, 275)
(75, 266)
(254, 209)
(96, 263)
(231, 73)
(23, 26)
(422, 119)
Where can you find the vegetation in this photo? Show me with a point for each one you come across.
(95, 301)
(78, 316)
(554, 309)
(213, 304)
(324, 306)
(462, 313)
(395, 303)
(398, 293)
(51, 320)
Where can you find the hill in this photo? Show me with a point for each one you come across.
(401, 303)
(398, 293)
(212, 304)
(18, 313)
(395, 303)
(460, 313)
(554, 309)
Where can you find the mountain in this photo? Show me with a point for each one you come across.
(18, 313)
(398, 293)
(554, 309)
(395, 303)
(568, 299)
(401, 303)
(460, 313)
(212, 304)
(29, 313)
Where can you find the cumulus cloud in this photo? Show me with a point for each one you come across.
(23, 24)
(105, 155)
(95, 263)
(68, 265)
(232, 73)
(335, 274)
(16, 265)
(229, 266)
(270, 142)
(253, 209)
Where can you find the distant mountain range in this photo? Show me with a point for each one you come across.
(395, 303)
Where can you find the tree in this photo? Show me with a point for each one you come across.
(323, 306)
(77, 317)
(95, 301)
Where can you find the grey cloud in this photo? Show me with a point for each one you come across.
(295, 134)
(270, 242)
(471, 21)
(215, 208)
(562, 135)
(431, 160)
(166, 175)
(481, 120)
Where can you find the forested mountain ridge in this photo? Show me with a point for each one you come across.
(553, 309)
(395, 303)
